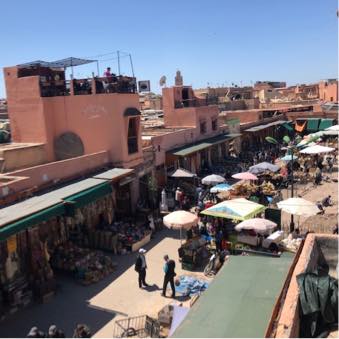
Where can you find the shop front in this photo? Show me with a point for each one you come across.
(63, 232)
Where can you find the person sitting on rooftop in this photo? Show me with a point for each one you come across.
(108, 73)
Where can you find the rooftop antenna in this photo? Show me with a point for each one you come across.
(118, 54)
(130, 59)
(162, 81)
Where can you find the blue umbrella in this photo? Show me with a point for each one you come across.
(220, 188)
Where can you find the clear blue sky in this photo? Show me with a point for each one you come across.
(214, 41)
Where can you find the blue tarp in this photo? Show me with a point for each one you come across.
(189, 286)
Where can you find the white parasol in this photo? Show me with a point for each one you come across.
(259, 225)
(180, 220)
(317, 149)
(298, 206)
(213, 179)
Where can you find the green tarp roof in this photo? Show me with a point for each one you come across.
(261, 127)
(184, 151)
(32, 220)
(312, 124)
(325, 123)
(239, 301)
(85, 197)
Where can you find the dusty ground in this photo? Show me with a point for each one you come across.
(320, 223)
(99, 305)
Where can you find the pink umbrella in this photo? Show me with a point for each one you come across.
(245, 176)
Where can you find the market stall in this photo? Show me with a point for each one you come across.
(236, 209)
(86, 265)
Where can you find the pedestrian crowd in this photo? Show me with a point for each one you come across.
(81, 331)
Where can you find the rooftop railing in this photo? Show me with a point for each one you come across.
(103, 85)
(196, 102)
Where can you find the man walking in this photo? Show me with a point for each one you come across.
(169, 276)
(140, 267)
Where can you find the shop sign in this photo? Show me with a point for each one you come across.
(11, 244)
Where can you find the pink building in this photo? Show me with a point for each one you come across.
(328, 90)
(76, 125)
(192, 135)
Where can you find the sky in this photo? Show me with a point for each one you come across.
(214, 42)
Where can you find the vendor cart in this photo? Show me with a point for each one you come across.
(137, 327)
(193, 254)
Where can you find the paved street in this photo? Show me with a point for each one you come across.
(100, 304)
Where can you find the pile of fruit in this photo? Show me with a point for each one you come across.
(267, 188)
(244, 188)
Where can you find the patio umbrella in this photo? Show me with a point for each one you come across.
(333, 128)
(245, 176)
(180, 220)
(239, 209)
(262, 167)
(288, 157)
(213, 179)
(331, 132)
(317, 149)
(220, 188)
(182, 173)
(259, 225)
(305, 143)
(298, 206)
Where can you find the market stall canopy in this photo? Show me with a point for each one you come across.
(259, 225)
(325, 123)
(333, 128)
(220, 188)
(317, 149)
(306, 142)
(239, 209)
(262, 167)
(298, 206)
(334, 133)
(213, 179)
(245, 176)
(182, 173)
(63, 63)
(180, 219)
(288, 157)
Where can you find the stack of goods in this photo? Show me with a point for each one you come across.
(291, 244)
(268, 188)
(17, 294)
(127, 235)
(243, 188)
(86, 265)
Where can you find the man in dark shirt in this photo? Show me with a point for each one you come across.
(140, 267)
(169, 275)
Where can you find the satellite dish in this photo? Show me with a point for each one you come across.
(162, 81)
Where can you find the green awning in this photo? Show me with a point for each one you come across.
(288, 126)
(325, 123)
(184, 151)
(192, 149)
(312, 124)
(239, 301)
(32, 220)
(83, 198)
